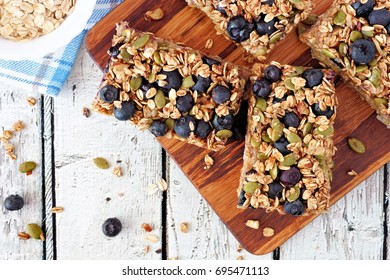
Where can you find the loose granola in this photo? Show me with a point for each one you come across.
(289, 147)
(340, 35)
(171, 90)
(256, 25)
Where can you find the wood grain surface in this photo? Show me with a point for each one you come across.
(218, 185)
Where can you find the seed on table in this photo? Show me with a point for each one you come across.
(352, 173)
(117, 171)
(156, 14)
(86, 112)
(101, 163)
(31, 101)
(356, 145)
(57, 209)
(184, 227)
(146, 227)
(27, 167)
(23, 236)
(34, 231)
(152, 238)
(162, 185)
(209, 44)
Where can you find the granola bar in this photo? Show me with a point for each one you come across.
(256, 25)
(352, 38)
(171, 90)
(289, 146)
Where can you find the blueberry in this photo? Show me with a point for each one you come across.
(279, 100)
(114, 51)
(112, 227)
(379, 17)
(388, 29)
(261, 88)
(275, 190)
(362, 51)
(210, 61)
(241, 198)
(203, 129)
(362, 10)
(281, 146)
(109, 94)
(183, 126)
(221, 10)
(158, 128)
(240, 122)
(263, 27)
(290, 177)
(145, 86)
(313, 77)
(291, 119)
(318, 112)
(184, 103)
(269, 2)
(272, 73)
(220, 94)
(201, 84)
(174, 80)
(225, 122)
(126, 112)
(239, 29)
(295, 208)
(14, 202)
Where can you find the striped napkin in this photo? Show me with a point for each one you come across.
(48, 74)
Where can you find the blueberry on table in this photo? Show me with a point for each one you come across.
(220, 94)
(14, 202)
(362, 10)
(290, 177)
(313, 77)
(202, 84)
(261, 88)
(318, 112)
(109, 93)
(263, 27)
(291, 119)
(184, 103)
(203, 129)
(281, 146)
(295, 208)
(379, 17)
(224, 122)
(126, 112)
(209, 61)
(275, 190)
(112, 227)
(158, 128)
(184, 126)
(174, 80)
(239, 29)
(272, 73)
(362, 51)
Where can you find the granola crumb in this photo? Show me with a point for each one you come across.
(57, 209)
(152, 238)
(23, 235)
(239, 248)
(18, 126)
(173, 258)
(86, 112)
(154, 15)
(208, 161)
(162, 185)
(117, 171)
(253, 224)
(31, 101)
(184, 227)
(352, 173)
(146, 249)
(152, 189)
(158, 251)
(209, 44)
(268, 232)
(146, 227)
(42, 236)
(7, 135)
(240, 258)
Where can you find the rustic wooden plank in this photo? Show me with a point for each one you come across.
(208, 237)
(386, 251)
(84, 190)
(28, 147)
(352, 229)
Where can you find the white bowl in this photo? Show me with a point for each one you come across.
(39, 47)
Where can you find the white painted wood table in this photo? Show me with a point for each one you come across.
(64, 142)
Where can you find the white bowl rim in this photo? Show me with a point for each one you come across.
(48, 43)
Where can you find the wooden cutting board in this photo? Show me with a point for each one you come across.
(218, 185)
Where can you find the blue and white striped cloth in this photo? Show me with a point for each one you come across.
(48, 74)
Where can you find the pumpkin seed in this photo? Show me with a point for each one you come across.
(307, 128)
(327, 132)
(251, 187)
(261, 52)
(293, 138)
(311, 19)
(373, 62)
(261, 116)
(34, 231)
(295, 2)
(275, 37)
(289, 84)
(347, 63)
(157, 58)
(159, 99)
(163, 46)
(261, 104)
(275, 122)
(27, 167)
(328, 53)
(375, 77)
(224, 134)
(289, 160)
(301, 28)
(101, 163)
(274, 172)
(141, 41)
(170, 123)
(188, 82)
(276, 133)
(125, 55)
(152, 78)
(355, 35)
(343, 49)
(380, 101)
(339, 18)
(266, 138)
(254, 143)
(135, 83)
(356, 145)
(261, 156)
(368, 31)
(294, 195)
(127, 34)
(361, 68)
